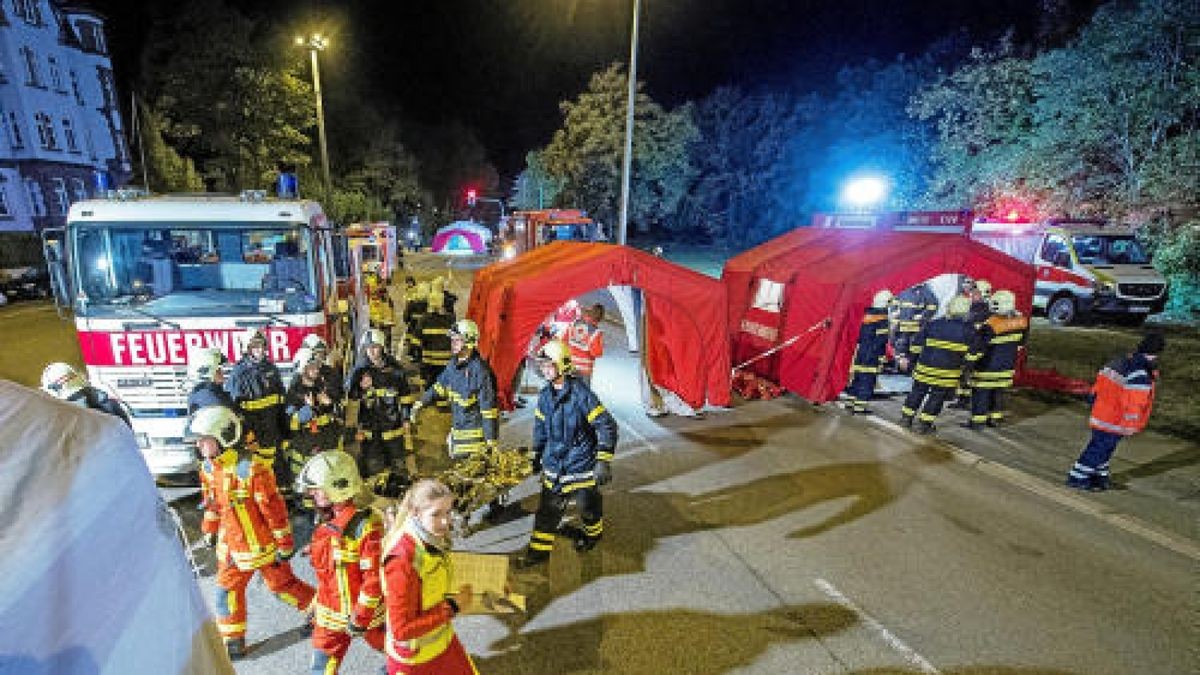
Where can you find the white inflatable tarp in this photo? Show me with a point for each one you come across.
(93, 579)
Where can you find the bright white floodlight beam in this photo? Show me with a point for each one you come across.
(865, 191)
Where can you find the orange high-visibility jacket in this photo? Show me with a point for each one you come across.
(251, 518)
(1124, 392)
(416, 583)
(586, 342)
(345, 555)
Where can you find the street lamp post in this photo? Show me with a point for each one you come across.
(627, 163)
(315, 43)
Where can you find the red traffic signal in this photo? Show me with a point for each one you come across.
(472, 196)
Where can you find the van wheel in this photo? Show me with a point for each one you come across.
(1062, 311)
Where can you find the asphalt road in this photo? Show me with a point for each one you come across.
(779, 537)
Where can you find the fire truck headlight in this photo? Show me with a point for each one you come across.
(1106, 288)
(508, 252)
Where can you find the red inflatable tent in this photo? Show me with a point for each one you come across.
(810, 287)
(687, 343)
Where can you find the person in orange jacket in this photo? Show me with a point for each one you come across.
(416, 587)
(248, 525)
(345, 552)
(1121, 400)
(586, 341)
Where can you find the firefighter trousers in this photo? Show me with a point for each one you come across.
(231, 594)
(926, 399)
(987, 405)
(381, 451)
(551, 508)
(330, 647)
(861, 390)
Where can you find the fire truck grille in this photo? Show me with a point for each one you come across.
(156, 391)
(1140, 290)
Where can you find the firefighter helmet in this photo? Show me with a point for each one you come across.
(219, 422)
(467, 330)
(314, 342)
(62, 381)
(203, 363)
(556, 352)
(959, 306)
(305, 356)
(374, 336)
(984, 287)
(251, 336)
(1004, 302)
(421, 294)
(882, 299)
(334, 473)
(437, 295)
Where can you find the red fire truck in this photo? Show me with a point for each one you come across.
(151, 278)
(526, 230)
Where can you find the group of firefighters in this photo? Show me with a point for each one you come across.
(967, 355)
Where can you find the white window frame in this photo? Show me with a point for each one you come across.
(768, 296)
(62, 198)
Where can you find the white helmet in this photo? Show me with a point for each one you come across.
(305, 356)
(203, 363)
(314, 342)
(984, 287)
(556, 352)
(959, 306)
(333, 472)
(62, 381)
(468, 330)
(1004, 302)
(882, 299)
(219, 422)
(374, 336)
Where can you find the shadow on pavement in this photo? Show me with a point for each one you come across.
(276, 642)
(1175, 460)
(666, 641)
(970, 670)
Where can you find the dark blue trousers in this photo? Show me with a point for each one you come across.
(1092, 465)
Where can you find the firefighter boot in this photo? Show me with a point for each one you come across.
(926, 428)
(236, 648)
(531, 559)
(906, 421)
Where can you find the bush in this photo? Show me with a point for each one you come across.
(1176, 249)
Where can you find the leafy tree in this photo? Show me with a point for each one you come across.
(534, 187)
(387, 173)
(227, 99)
(166, 170)
(585, 154)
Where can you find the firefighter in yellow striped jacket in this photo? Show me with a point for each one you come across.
(943, 348)
(247, 520)
(314, 416)
(257, 388)
(573, 441)
(380, 383)
(1000, 339)
(869, 353)
(470, 385)
(345, 553)
(433, 338)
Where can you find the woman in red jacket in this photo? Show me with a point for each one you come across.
(417, 580)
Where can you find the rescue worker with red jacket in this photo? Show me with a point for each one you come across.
(417, 583)
(257, 387)
(1000, 338)
(943, 348)
(869, 353)
(470, 386)
(1121, 401)
(249, 526)
(345, 553)
(586, 342)
(573, 441)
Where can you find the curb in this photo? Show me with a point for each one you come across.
(1060, 495)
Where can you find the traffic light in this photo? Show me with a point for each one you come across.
(472, 196)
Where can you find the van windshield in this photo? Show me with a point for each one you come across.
(192, 269)
(1100, 249)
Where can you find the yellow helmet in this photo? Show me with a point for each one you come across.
(333, 472)
(62, 381)
(556, 352)
(959, 306)
(882, 299)
(1004, 302)
(219, 422)
(467, 330)
(203, 363)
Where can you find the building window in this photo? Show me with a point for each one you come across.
(5, 212)
(28, 10)
(62, 200)
(14, 131)
(107, 88)
(91, 37)
(46, 135)
(79, 188)
(32, 75)
(55, 74)
(69, 134)
(75, 88)
(37, 204)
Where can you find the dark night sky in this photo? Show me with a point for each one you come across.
(502, 66)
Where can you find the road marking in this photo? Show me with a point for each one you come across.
(908, 653)
(1060, 495)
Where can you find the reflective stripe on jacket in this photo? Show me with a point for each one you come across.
(416, 581)
(944, 346)
(1000, 340)
(571, 432)
(470, 387)
(586, 342)
(871, 348)
(1124, 392)
(345, 555)
(252, 517)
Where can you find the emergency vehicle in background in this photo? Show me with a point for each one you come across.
(151, 278)
(1085, 268)
(526, 230)
(374, 247)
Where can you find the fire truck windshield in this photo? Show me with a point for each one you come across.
(192, 269)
